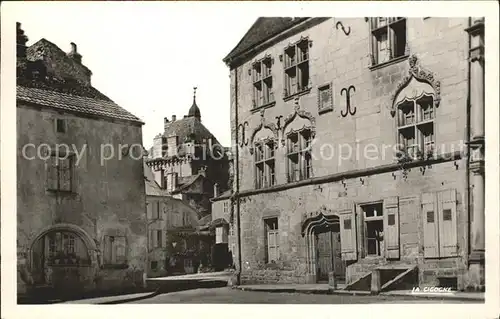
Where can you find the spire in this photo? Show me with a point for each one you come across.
(194, 111)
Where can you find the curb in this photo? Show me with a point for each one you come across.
(356, 293)
(114, 302)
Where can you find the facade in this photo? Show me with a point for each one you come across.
(78, 227)
(357, 151)
(175, 245)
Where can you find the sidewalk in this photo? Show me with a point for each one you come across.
(325, 289)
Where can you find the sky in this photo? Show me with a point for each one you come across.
(148, 57)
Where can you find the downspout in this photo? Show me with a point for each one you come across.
(237, 192)
(467, 139)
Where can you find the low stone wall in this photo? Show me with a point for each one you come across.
(271, 276)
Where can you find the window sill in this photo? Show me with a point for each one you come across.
(327, 110)
(303, 92)
(262, 107)
(390, 62)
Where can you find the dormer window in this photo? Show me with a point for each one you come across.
(296, 68)
(263, 93)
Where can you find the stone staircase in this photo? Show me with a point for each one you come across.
(386, 278)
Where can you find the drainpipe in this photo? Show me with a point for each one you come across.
(467, 140)
(237, 165)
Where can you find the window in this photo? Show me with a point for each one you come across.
(262, 82)
(416, 127)
(265, 164)
(60, 173)
(297, 68)
(154, 265)
(60, 126)
(299, 155)
(325, 98)
(156, 210)
(272, 240)
(225, 207)
(156, 238)
(374, 229)
(115, 250)
(185, 219)
(388, 38)
(221, 234)
(65, 248)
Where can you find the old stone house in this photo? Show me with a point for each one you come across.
(176, 244)
(81, 214)
(359, 151)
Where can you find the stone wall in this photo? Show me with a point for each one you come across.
(107, 197)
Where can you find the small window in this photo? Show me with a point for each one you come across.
(272, 240)
(115, 249)
(430, 217)
(325, 98)
(347, 223)
(391, 219)
(154, 265)
(447, 214)
(60, 126)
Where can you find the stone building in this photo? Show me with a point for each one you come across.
(359, 151)
(175, 243)
(186, 162)
(81, 214)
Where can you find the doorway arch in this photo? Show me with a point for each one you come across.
(315, 230)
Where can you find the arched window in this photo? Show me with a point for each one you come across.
(65, 248)
(415, 120)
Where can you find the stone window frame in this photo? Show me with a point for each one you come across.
(263, 82)
(329, 88)
(363, 228)
(395, 52)
(271, 228)
(119, 260)
(296, 59)
(265, 163)
(52, 164)
(298, 149)
(417, 125)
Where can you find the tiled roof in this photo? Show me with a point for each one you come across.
(185, 182)
(68, 102)
(262, 30)
(225, 195)
(152, 187)
(188, 127)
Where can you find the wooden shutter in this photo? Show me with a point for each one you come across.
(51, 170)
(120, 244)
(447, 208)
(160, 238)
(348, 234)
(218, 235)
(65, 173)
(391, 227)
(431, 228)
(149, 208)
(107, 250)
(272, 245)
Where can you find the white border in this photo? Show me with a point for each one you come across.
(488, 9)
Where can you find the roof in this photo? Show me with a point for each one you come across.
(48, 77)
(194, 110)
(188, 128)
(152, 187)
(75, 103)
(186, 182)
(262, 30)
(225, 195)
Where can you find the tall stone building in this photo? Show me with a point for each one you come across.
(81, 214)
(358, 154)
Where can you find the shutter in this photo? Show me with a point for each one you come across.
(218, 235)
(65, 174)
(51, 169)
(151, 239)
(149, 208)
(348, 241)
(120, 244)
(431, 228)
(391, 227)
(160, 239)
(447, 208)
(272, 237)
(107, 250)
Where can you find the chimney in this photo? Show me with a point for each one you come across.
(174, 118)
(216, 190)
(21, 41)
(74, 53)
(166, 123)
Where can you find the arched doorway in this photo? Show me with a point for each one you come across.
(61, 257)
(323, 247)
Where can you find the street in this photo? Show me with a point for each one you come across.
(228, 295)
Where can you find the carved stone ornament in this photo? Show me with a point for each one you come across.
(264, 124)
(420, 74)
(302, 114)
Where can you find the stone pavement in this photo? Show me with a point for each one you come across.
(326, 289)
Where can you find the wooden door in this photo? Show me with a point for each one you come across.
(338, 263)
(325, 255)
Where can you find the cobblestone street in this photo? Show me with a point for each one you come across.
(228, 295)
